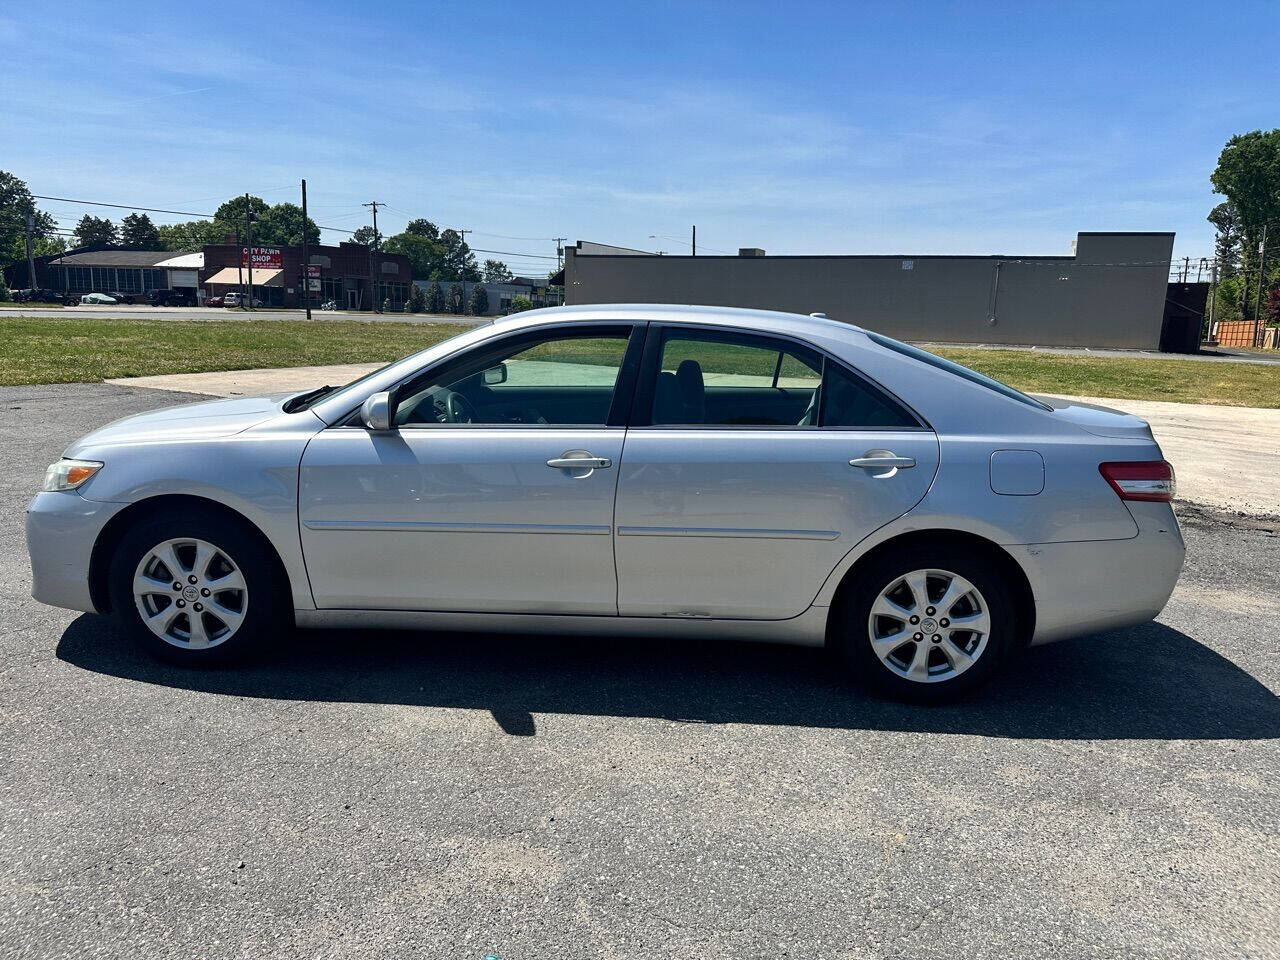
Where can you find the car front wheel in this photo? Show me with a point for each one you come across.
(927, 623)
(196, 589)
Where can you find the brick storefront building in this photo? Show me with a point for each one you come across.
(342, 273)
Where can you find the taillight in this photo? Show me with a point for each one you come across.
(1140, 479)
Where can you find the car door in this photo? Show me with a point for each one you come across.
(752, 465)
(493, 491)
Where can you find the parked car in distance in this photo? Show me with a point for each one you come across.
(93, 298)
(38, 295)
(213, 301)
(122, 297)
(329, 305)
(171, 298)
(784, 478)
(234, 299)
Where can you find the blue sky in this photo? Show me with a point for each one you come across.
(802, 128)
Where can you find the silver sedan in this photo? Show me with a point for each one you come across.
(641, 469)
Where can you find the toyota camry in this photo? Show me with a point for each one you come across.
(627, 469)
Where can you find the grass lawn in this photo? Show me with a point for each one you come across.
(1178, 381)
(73, 350)
(79, 350)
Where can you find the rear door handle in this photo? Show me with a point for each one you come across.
(580, 463)
(886, 462)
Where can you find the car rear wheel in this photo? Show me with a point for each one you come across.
(927, 623)
(197, 589)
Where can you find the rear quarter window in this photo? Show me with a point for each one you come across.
(940, 363)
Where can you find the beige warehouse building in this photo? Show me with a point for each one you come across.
(1109, 293)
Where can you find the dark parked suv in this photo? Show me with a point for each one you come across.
(171, 298)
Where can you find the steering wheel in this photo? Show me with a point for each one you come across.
(458, 408)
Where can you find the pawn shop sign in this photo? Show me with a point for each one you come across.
(262, 258)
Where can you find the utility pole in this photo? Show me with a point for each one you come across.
(240, 260)
(1213, 300)
(559, 251)
(31, 260)
(373, 287)
(1262, 272)
(248, 229)
(1186, 268)
(306, 264)
(695, 240)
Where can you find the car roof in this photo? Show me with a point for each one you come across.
(762, 320)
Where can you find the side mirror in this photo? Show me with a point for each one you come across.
(375, 412)
(495, 375)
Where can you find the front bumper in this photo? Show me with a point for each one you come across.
(1086, 587)
(61, 531)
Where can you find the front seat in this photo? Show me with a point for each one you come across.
(681, 397)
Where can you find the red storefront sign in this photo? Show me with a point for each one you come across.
(264, 258)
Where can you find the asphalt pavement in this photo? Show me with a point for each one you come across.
(195, 314)
(414, 795)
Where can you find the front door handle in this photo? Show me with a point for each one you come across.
(580, 463)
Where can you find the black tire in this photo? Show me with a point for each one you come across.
(851, 631)
(267, 601)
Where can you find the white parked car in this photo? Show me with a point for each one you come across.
(91, 298)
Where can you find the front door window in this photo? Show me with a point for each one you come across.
(553, 379)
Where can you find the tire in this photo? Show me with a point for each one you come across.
(242, 596)
(874, 635)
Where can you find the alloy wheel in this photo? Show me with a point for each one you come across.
(929, 626)
(190, 593)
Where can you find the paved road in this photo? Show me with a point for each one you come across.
(192, 314)
(449, 796)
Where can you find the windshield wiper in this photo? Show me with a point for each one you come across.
(304, 400)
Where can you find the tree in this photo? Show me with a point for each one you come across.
(191, 236)
(435, 297)
(417, 301)
(281, 226)
(1248, 175)
(1226, 220)
(459, 261)
(520, 304)
(4, 289)
(495, 271)
(422, 228)
(232, 213)
(479, 300)
(455, 298)
(137, 232)
(95, 231)
(425, 255)
(15, 203)
(366, 236)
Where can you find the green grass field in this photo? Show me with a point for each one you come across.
(72, 350)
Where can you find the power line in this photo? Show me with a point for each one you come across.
(176, 213)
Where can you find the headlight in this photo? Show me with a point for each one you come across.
(69, 474)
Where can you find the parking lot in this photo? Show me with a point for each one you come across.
(413, 795)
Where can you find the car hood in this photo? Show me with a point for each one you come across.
(1098, 420)
(189, 421)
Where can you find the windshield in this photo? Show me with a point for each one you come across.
(973, 376)
(373, 373)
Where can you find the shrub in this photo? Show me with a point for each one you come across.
(520, 304)
(435, 297)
